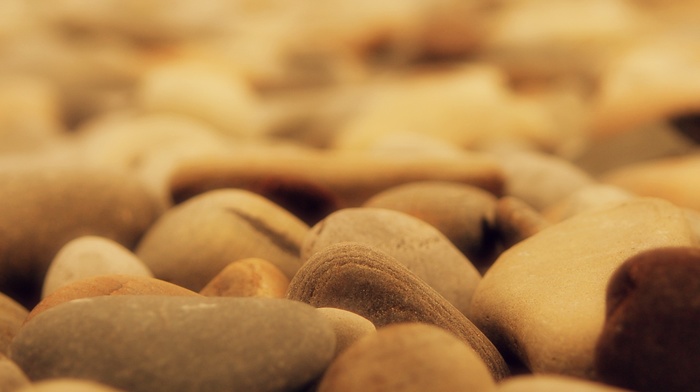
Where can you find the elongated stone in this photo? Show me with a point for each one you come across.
(366, 281)
(148, 343)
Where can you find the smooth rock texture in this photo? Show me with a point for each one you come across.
(46, 205)
(408, 357)
(148, 343)
(420, 247)
(194, 241)
(12, 315)
(68, 385)
(11, 376)
(91, 256)
(517, 221)
(363, 280)
(553, 383)
(463, 213)
(348, 327)
(544, 299)
(252, 277)
(588, 198)
(650, 339)
(96, 286)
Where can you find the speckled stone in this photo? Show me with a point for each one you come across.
(650, 340)
(148, 343)
(45, 206)
(417, 245)
(348, 327)
(463, 213)
(11, 376)
(68, 385)
(553, 283)
(251, 277)
(91, 256)
(361, 279)
(12, 316)
(192, 242)
(408, 357)
(96, 286)
(553, 383)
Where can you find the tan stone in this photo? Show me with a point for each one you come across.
(68, 385)
(251, 277)
(348, 326)
(588, 198)
(516, 220)
(544, 298)
(553, 383)
(11, 376)
(12, 316)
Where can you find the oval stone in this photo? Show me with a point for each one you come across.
(159, 343)
(408, 357)
(251, 277)
(348, 326)
(420, 247)
(361, 279)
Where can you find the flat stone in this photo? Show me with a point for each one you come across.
(417, 245)
(363, 280)
(348, 326)
(463, 213)
(251, 277)
(544, 299)
(68, 385)
(45, 206)
(12, 315)
(408, 357)
(650, 340)
(147, 343)
(12, 377)
(96, 286)
(192, 242)
(91, 256)
(553, 383)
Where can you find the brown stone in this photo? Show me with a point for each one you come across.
(12, 316)
(252, 277)
(12, 377)
(361, 279)
(516, 220)
(650, 340)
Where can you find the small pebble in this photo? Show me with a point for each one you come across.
(251, 277)
(12, 315)
(553, 383)
(12, 377)
(68, 385)
(517, 221)
(348, 327)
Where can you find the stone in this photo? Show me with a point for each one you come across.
(588, 198)
(361, 279)
(68, 385)
(543, 300)
(45, 206)
(463, 213)
(96, 286)
(649, 342)
(192, 242)
(251, 277)
(12, 315)
(348, 327)
(91, 256)
(553, 383)
(516, 221)
(147, 343)
(12, 377)
(417, 245)
(408, 357)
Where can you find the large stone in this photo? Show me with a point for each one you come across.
(194, 241)
(361, 279)
(420, 247)
(158, 343)
(544, 299)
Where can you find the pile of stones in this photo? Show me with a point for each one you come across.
(461, 195)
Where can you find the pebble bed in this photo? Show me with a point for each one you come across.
(452, 195)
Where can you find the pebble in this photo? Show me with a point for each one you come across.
(588, 198)
(463, 213)
(348, 327)
(96, 286)
(147, 343)
(251, 277)
(91, 256)
(363, 280)
(414, 243)
(68, 385)
(45, 206)
(408, 357)
(650, 340)
(517, 221)
(544, 299)
(12, 377)
(12, 315)
(193, 241)
(553, 383)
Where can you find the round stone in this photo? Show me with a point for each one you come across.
(348, 327)
(251, 277)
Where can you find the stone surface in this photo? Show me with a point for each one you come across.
(11, 376)
(517, 221)
(588, 198)
(361, 279)
(348, 327)
(147, 343)
(252, 277)
(408, 357)
(45, 206)
(463, 213)
(12, 315)
(544, 299)
(650, 340)
(420, 247)
(96, 286)
(553, 383)
(192, 242)
(68, 385)
(91, 256)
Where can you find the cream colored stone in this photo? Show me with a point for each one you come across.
(89, 256)
(589, 198)
(553, 383)
(544, 298)
(348, 327)
(64, 384)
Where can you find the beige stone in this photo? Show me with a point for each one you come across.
(12, 377)
(553, 383)
(348, 326)
(516, 221)
(63, 384)
(251, 277)
(12, 316)
(588, 198)
(544, 298)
